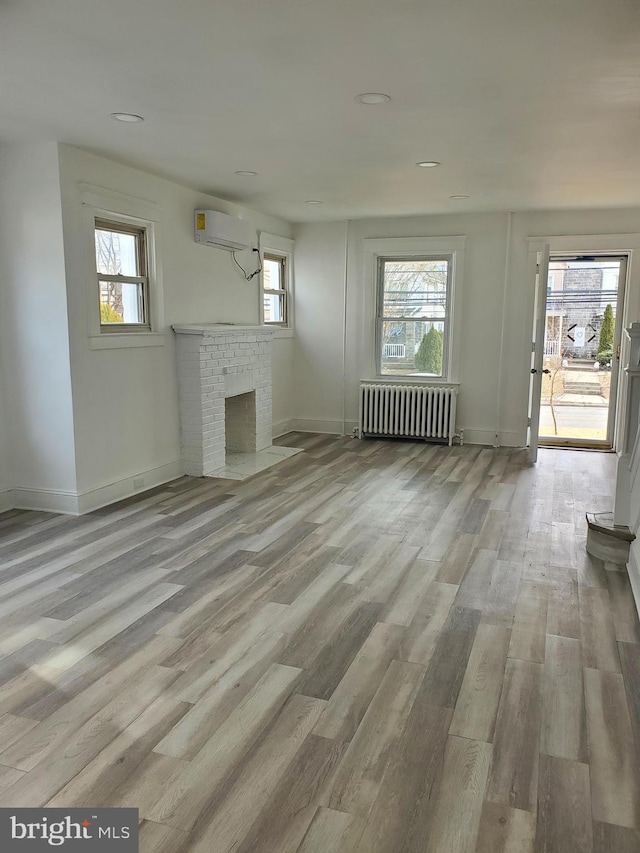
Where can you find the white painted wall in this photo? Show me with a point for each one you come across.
(481, 308)
(34, 340)
(125, 400)
(320, 258)
(283, 391)
(320, 267)
(6, 498)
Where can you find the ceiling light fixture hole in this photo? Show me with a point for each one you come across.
(370, 99)
(129, 118)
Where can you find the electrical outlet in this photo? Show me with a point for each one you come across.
(138, 482)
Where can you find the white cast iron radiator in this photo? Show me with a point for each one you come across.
(408, 410)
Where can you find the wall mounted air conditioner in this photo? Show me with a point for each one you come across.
(223, 231)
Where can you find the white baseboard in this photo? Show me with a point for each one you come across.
(487, 437)
(79, 503)
(330, 427)
(633, 569)
(478, 436)
(335, 427)
(281, 427)
(46, 500)
(6, 500)
(512, 438)
(125, 488)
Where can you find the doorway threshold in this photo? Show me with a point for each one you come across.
(566, 445)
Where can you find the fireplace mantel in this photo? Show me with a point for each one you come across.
(214, 329)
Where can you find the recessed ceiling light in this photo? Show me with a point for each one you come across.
(371, 98)
(245, 173)
(128, 117)
(428, 164)
(313, 201)
(458, 196)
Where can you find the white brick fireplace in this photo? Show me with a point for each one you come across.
(224, 386)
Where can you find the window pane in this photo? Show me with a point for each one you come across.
(116, 253)
(121, 302)
(412, 348)
(274, 308)
(272, 274)
(415, 288)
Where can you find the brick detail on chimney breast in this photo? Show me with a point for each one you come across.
(217, 364)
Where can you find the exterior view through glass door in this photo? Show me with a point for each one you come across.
(581, 350)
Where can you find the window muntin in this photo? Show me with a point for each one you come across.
(274, 290)
(122, 271)
(414, 308)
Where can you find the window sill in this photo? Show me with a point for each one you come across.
(411, 380)
(126, 340)
(284, 333)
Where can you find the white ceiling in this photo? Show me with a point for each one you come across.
(528, 104)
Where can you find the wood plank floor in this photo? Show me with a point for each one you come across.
(377, 647)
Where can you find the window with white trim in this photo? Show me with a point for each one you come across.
(122, 276)
(413, 316)
(380, 307)
(122, 254)
(275, 295)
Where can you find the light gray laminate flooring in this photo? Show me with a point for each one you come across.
(374, 646)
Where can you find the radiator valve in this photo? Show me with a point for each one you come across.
(459, 437)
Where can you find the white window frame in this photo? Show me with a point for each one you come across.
(141, 278)
(380, 317)
(281, 292)
(102, 204)
(403, 248)
(280, 247)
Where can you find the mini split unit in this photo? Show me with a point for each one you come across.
(223, 231)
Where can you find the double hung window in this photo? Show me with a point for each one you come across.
(274, 290)
(414, 310)
(122, 276)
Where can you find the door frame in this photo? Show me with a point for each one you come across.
(612, 413)
(539, 273)
(604, 244)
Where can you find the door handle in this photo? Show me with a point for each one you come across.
(533, 370)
